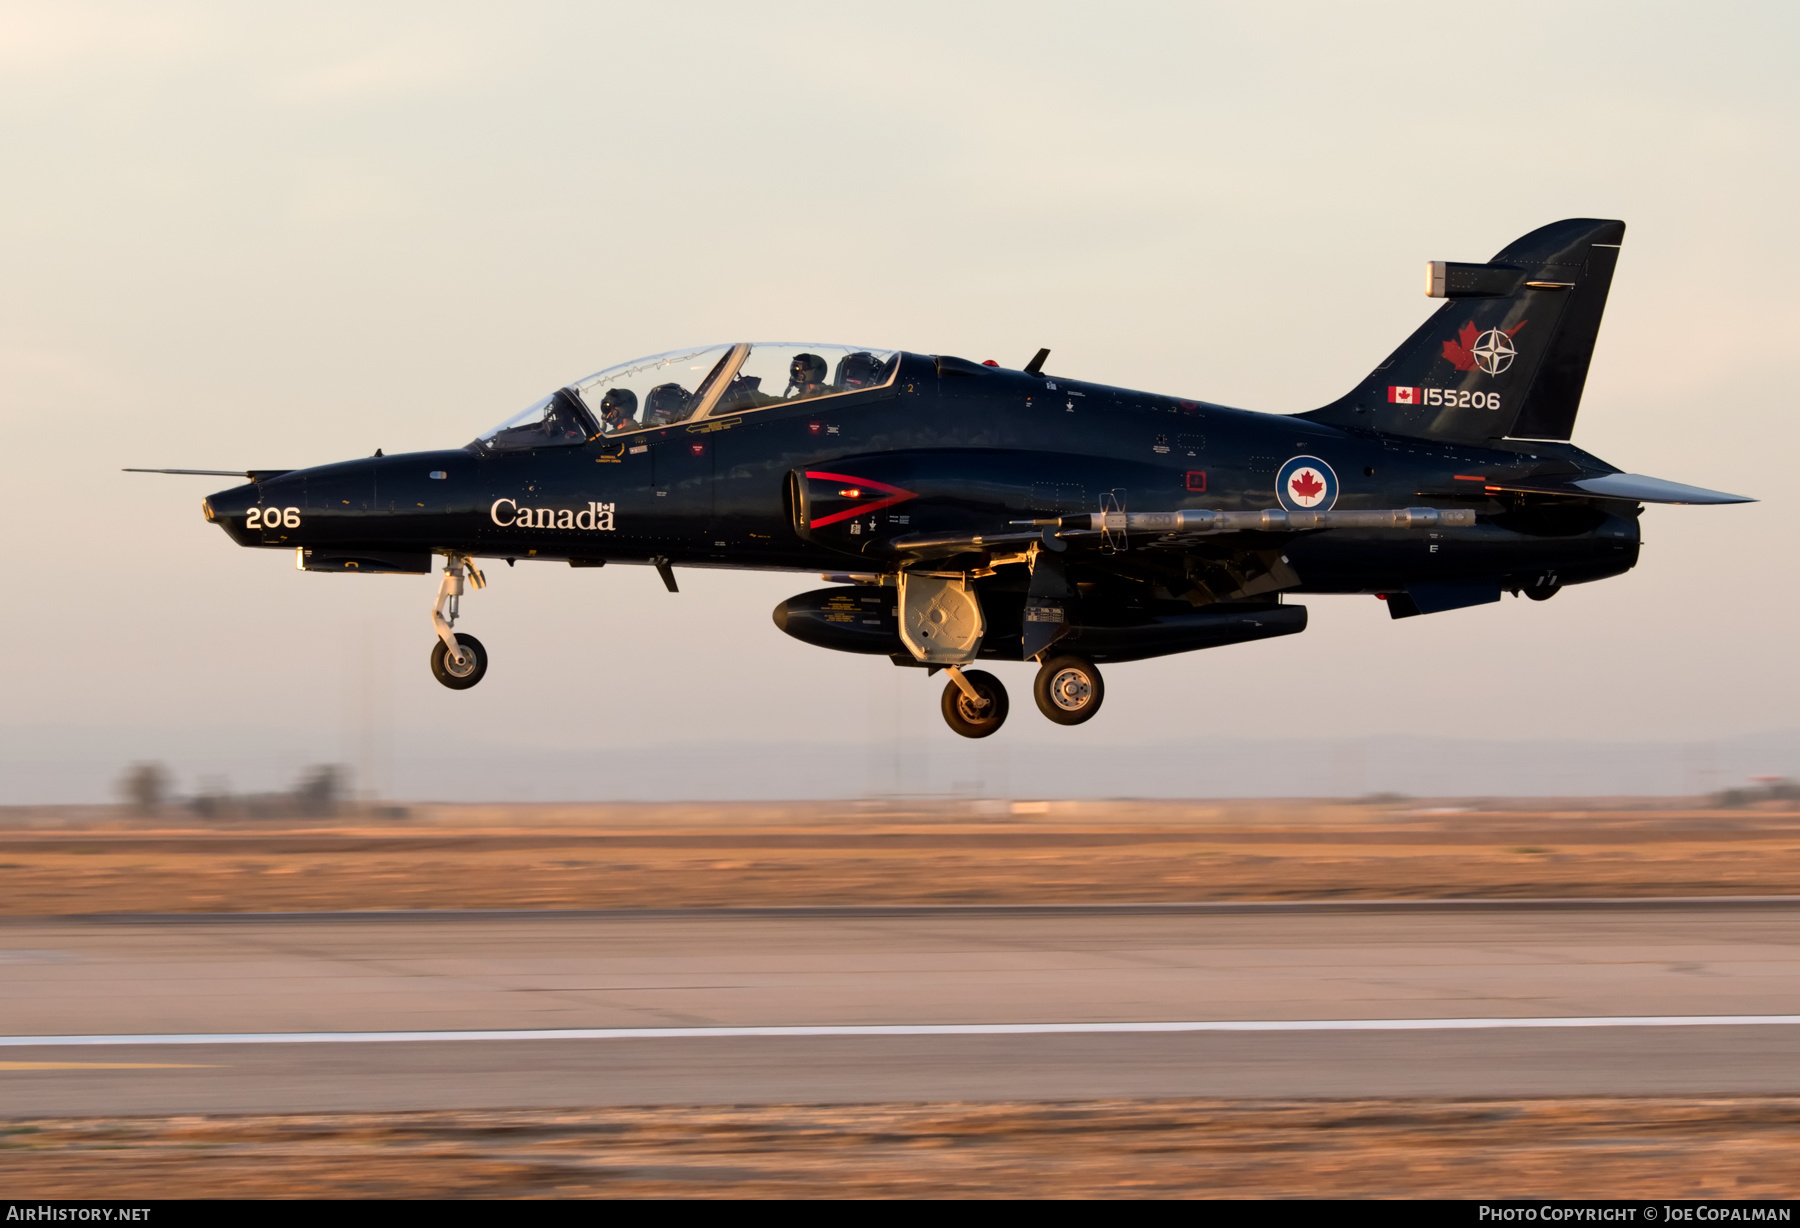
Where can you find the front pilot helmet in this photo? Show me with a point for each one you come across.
(807, 369)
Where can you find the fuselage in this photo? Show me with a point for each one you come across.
(1000, 445)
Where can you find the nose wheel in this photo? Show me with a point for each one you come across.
(457, 661)
(464, 669)
(1068, 690)
(974, 703)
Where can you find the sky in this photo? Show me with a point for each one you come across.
(250, 237)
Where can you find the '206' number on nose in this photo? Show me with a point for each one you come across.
(273, 518)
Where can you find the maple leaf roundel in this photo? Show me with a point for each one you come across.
(1306, 484)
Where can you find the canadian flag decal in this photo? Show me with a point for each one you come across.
(1403, 396)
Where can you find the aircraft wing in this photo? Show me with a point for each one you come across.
(923, 546)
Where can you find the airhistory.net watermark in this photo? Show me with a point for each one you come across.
(55, 1213)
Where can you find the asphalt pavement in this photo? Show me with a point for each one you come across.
(407, 1011)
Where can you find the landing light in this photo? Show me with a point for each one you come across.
(851, 493)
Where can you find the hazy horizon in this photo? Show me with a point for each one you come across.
(911, 764)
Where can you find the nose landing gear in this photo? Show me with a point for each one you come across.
(457, 661)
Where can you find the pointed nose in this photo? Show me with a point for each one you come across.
(229, 509)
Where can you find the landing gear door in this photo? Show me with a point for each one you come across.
(1047, 605)
(940, 618)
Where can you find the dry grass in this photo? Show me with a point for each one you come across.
(721, 856)
(1570, 1148)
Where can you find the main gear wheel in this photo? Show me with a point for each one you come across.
(1068, 690)
(978, 715)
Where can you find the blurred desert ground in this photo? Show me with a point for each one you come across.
(1637, 1147)
(267, 853)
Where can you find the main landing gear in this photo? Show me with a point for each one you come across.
(1068, 690)
(974, 703)
(457, 661)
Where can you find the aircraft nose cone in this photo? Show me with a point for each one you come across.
(230, 508)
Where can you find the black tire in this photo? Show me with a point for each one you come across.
(445, 671)
(968, 719)
(1543, 592)
(1069, 690)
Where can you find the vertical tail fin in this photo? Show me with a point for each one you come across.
(1507, 354)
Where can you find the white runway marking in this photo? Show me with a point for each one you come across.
(914, 1029)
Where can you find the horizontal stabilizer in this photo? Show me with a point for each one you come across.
(1622, 486)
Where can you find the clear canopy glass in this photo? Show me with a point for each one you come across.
(558, 420)
(657, 391)
(688, 385)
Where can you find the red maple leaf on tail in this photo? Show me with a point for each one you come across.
(1306, 484)
(1461, 352)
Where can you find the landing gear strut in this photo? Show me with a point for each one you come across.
(1068, 689)
(974, 702)
(457, 661)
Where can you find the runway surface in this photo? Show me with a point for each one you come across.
(176, 1015)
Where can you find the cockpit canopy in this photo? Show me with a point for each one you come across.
(688, 385)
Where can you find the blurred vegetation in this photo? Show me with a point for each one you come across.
(1783, 790)
(145, 786)
(322, 791)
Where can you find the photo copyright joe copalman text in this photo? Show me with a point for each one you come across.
(1636, 1213)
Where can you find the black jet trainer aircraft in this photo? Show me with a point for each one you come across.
(967, 512)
